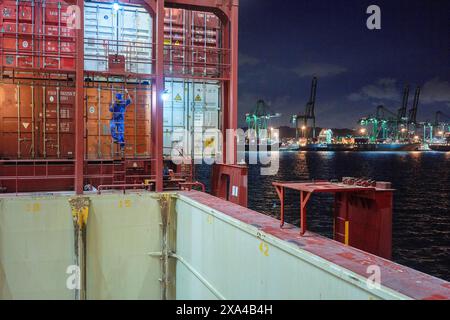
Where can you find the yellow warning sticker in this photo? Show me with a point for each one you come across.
(198, 98)
(167, 41)
(264, 248)
(177, 43)
(178, 98)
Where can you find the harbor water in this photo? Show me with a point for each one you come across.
(421, 220)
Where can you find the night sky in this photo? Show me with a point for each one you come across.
(284, 43)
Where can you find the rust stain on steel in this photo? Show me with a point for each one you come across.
(404, 280)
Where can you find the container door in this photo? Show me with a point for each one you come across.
(17, 37)
(176, 118)
(175, 35)
(206, 108)
(58, 126)
(99, 142)
(204, 37)
(18, 121)
(135, 35)
(100, 22)
(137, 122)
(58, 40)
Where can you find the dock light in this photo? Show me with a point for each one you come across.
(363, 131)
(403, 130)
(441, 133)
(116, 6)
(303, 128)
(165, 95)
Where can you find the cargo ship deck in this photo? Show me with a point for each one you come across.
(183, 245)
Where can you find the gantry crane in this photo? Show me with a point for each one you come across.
(402, 117)
(301, 121)
(389, 125)
(260, 117)
(382, 125)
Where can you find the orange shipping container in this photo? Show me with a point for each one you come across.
(99, 143)
(36, 122)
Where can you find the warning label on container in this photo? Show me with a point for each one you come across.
(198, 98)
(178, 98)
(25, 125)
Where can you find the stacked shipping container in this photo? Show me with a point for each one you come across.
(192, 43)
(36, 121)
(37, 35)
(99, 98)
(127, 33)
(37, 95)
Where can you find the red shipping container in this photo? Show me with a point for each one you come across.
(64, 64)
(9, 10)
(57, 13)
(53, 46)
(55, 31)
(12, 60)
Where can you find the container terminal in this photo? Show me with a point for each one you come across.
(93, 97)
(384, 130)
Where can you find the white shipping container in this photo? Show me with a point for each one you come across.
(195, 107)
(127, 31)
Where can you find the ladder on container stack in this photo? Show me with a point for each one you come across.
(119, 172)
(119, 169)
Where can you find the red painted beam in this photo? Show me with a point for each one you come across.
(79, 104)
(157, 102)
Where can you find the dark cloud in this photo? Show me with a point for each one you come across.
(436, 91)
(247, 60)
(321, 70)
(383, 89)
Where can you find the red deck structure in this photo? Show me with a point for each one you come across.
(362, 216)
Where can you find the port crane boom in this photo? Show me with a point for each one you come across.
(404, 108)
(412, 119)
(300, 121)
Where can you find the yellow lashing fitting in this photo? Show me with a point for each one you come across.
(80, 210)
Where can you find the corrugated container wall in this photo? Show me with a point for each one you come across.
(126, 32)
(36, 121)
(35, 35)
(192, 40)
(99, 144)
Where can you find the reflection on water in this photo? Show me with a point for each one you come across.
(421, 222)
